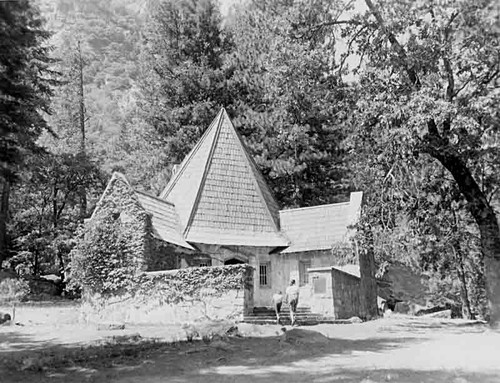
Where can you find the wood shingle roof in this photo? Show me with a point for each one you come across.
(220, 195)
(164, 219)
(165, 225)
(320, 227)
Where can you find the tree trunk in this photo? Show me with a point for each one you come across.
(54, 205)
(81, 115)
(480, 209)
(368, 285)
(464, 294)
(439, 148)
(492, 274)
(4, 217)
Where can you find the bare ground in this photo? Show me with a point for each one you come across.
(397, 349)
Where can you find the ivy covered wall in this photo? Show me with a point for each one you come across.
(163, 256)
(120, 202)
(176, 296)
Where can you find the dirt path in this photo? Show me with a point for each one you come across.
(388, 350)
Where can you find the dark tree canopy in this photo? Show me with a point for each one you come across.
(25, 90)
(428, 85)
(183, 78)
(25, 81)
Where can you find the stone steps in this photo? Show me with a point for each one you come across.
(304, 317)
(302, 321)
(270, 312)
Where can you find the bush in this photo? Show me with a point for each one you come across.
(13, 290)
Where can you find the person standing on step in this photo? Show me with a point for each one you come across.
(277, 302)
(292, 297)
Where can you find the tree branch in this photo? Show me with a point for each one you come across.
(477, 203)
(412, 74)
(450, 89)
(349, 46)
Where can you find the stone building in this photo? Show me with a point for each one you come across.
(217, 209)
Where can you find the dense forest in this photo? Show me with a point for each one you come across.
(398, 99)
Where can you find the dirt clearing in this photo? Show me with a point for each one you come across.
(387, 350)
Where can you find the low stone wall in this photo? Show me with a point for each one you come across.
(177, 296)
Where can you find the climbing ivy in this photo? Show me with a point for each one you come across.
(193, 283)
(105, 258)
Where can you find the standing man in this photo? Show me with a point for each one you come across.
(277, 301)
(292, 297)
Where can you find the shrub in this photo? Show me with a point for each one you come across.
(105, 257)
(13, 290)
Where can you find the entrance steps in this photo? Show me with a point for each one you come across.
(304, 317)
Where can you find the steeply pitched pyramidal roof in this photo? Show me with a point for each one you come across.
(220, 195)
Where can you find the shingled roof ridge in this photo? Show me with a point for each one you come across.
(315, 207)
(219, 119)
(202, 174)
(255, 171)
(156, 198)
(189, 157)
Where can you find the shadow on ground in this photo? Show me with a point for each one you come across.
(420, 325)
(252, 359)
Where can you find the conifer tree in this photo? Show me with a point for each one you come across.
(288, 103)
(25, 90)
(183, 79)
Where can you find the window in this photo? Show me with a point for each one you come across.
(265, 274)
(205, 263)
(303, 276)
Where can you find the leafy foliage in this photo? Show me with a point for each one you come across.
(288, 104)
(425, 87)
(104, 260)
(423, 98)
(13, 290)
(193, 283)
(45, 212)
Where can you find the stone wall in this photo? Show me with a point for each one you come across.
(322, 292)
(253, 256)
(346, 299)
(161, 255)
(286, 267)
(335, 293)
(177, 296)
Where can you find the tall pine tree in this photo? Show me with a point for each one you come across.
(183, 78)
(289, 103)
(25, 89)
